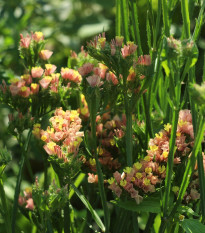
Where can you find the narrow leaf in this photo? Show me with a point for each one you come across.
(89, 207)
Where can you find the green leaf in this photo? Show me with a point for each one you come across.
(186, 209)
(192, 226)
(77, 182)
(89, 207)
(149, 204)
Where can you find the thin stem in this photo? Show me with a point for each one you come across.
(93, 114)
(19, 179)
(118, 18)
(136, 25)
(124, 9)
(129, 147)
(185, 16)
(4, 207)
(201, 183)
(170, 162)
(45, 171)
(199, 23)
(165, 17)
(67, 218)
(157, 24)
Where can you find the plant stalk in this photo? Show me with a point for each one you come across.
(93, 114)
(19, 179)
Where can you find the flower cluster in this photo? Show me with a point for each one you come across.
(63, 138)
(48, 203)
(27, 200)
(144, 175)
(108, 130)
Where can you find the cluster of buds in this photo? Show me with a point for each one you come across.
(121, 59)
(38, 79)
(145, 174)
(70, 76)
(183, 49)
(63, 138)
(38, 201)
(96, 76)
(159, 146)
(18, 122)
(108, 130)
(26, 200)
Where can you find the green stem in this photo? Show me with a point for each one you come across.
(45, 171)
(199, 23)
(67, 218)
(136, 25)
(4, 207)
(201, 183)
(165, 17)
(170, 163)
(49, 226)
(185, 16)
(150, 223)
(124, 10)
(93, 113)
(19, 179)
(128, 139)
(157, 24)
(118, 18)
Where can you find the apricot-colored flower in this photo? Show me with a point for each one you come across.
(37, 72)
(45, 54)
(25, 41)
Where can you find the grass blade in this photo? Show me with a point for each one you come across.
(89, 207)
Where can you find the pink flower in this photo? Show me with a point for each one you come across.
(38, 36)
(45, 54)
(30, 204)
(34, 88)
(50, 69)
(117, 176)
(111, 77)
(45, 82)
(24, 91)
(92, 178)
(115, 188)
(54, 82)
(125, 51)
(119, 40)
(94, 81)
(185, 115)
(85, 69)
(144, 60)
(25, 41)
(71, 75)
(37, 72)
(27, 78)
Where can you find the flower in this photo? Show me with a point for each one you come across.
(71, 75)
(94, 81)
(25, 41)
(38, 36)
(45, 54)
(30, 204)
(144, 60)
(85, 69)
(36, 72)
